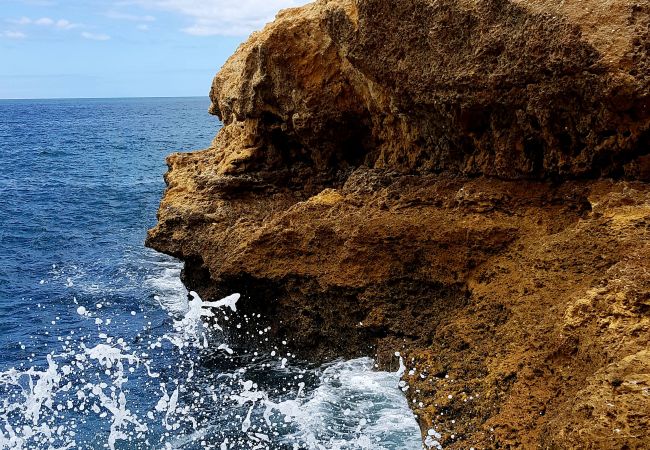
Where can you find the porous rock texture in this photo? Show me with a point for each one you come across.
(462, 181)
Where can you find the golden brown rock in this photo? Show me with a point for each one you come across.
(428, 177)
(508, 88)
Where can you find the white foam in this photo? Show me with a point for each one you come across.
(191, 328)
(353, 407)
(168, 289)
(368, 409)
(230, 302)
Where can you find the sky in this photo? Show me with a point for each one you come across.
(122, 48)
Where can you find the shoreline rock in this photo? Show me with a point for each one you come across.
(462, 182)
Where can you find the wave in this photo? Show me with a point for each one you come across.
(110, 386)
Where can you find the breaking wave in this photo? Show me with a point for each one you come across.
(161, 388)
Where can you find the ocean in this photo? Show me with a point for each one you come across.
(101, 346)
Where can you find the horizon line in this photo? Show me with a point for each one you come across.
(106, 98)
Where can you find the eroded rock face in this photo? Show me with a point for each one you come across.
(511, 89)
(461, 181)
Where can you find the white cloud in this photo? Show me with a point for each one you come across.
(143, 27)
(64, 24)
(21, 21)
(130, 17)
(95, 36)
(40, 2)
(61, 24)
(223, 17)
(13, 34)
(44, 21)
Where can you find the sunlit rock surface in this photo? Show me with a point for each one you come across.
(464, 182)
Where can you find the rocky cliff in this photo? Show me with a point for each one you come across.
(462, 181)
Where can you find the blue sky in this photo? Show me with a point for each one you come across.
(122, 48)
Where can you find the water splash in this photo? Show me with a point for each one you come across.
(155, 389)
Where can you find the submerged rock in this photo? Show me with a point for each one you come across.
(464, 182)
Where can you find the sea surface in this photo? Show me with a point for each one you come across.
(101, 346)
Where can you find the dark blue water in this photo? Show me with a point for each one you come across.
(79, 186)
(99, 347)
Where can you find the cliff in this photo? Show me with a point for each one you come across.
(465, 182)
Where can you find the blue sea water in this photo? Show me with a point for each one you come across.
(100, 344)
